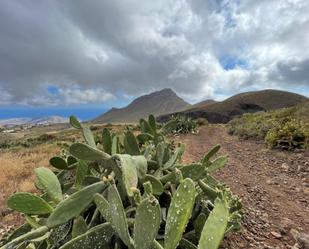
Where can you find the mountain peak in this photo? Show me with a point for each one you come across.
(165, 91)
(157, 103)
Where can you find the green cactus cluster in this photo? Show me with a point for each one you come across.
(128, 191)
(181, 124)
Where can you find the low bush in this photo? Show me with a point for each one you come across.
(202, 121)
(45, 137)
(286, 128)
(288, 135)
(181, 125)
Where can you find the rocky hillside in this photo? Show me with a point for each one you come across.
(157, 103)
(249, 102)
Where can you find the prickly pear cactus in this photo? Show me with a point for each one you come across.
(127, 191)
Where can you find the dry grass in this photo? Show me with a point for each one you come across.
(16, 167)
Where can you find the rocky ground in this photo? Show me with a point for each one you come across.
(273, 185)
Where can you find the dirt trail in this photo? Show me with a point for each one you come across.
(273, 186)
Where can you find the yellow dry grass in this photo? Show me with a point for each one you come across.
(17, 172)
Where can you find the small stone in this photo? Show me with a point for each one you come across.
(276, 235)
(269, 181)
(285, 166)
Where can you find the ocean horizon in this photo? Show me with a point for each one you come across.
(83, 113)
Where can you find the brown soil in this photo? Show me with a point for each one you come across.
(273, 186)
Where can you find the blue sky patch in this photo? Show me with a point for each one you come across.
(53, 90)
(230, 62)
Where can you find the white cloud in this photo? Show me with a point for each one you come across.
(79, 96)
(101, 47)
(5, 97)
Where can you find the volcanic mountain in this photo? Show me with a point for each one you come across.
(156, 103)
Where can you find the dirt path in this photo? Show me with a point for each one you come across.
(273, 186)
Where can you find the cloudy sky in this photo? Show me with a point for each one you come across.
(100, 53)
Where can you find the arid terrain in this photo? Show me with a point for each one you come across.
(273, 185)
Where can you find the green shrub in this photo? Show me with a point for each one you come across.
(46, 137)
(202, 121)
(286, 128)
(181, 125)
(288, 135)
(133, 193)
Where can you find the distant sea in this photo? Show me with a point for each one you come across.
(83, 113)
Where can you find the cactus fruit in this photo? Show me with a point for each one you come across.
(127, 191)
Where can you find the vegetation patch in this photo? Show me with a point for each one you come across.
(126, 191)
(287, 128)
(181, 124)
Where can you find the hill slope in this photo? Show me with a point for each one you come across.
(157, 103)
(204, 103)
(249, 102)
(34, 121)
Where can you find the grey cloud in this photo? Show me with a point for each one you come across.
(292, 72)
(137, 47)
